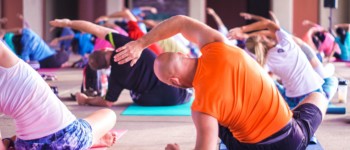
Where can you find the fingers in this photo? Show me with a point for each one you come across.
(133, 62)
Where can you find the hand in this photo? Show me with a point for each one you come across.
(101, 18)
(172, 147)
(246, 16)
(237, 33)
(153, 10)
(54, 42)
(20, 16)
(129, 52)
(60, 22)
(81, 98)
(306, 22)
(210, 11)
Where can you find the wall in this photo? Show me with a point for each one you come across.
(228, 11)
(284, 12)
(197, 9)
(114, 5)
(302, 10)
(10, 8)
(91, 9)
(340, 15)
(33, 14)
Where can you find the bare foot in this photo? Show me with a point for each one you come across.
(81, 98)
(107, 140)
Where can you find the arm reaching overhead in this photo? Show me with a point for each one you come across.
(310, 23)
(274, 18)
(248, 16)
(125, 14)
(191, 29)
(55, 41)
(343, 25)
(84, 26)
(241, 32)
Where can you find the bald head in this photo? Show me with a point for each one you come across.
(172, 69)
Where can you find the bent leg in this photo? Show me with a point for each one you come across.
(101, 121)
(317, 99)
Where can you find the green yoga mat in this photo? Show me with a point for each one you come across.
(178, 110)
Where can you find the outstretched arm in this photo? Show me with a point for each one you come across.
(216, 17)
(55, 41)
(240, 32)
(125, 14)
(343, 25)
(84, 26)
(193, 30)
(310, 23)
(274, 18)
(248, 16)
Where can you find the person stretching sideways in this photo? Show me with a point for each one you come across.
(42, 120)
(235, 98)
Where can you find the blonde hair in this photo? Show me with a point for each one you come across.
(257, 46)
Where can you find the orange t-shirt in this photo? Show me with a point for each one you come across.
(234, 89)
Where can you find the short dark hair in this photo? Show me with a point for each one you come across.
(97, 60)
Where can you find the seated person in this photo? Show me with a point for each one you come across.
(235, 98)
(343, 40)
(134, 30)
(31, 47)
(319, 39)
(42, 120)
(301, 75)
(145, 88)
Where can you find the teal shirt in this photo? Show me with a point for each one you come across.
(344, 47)
(8, 39)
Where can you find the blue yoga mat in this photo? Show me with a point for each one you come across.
(333, 109)
(316, 146)
(178, 110)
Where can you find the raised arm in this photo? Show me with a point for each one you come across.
(241, 32)
(216, 17)
(274, 18)
(84, 26)
(193, 30)
(343, 25)
(125, 14)
(310, 23)
(55, 41)
(248, 16)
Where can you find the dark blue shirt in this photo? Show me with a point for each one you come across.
(140, 78)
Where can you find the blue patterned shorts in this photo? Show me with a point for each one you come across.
(76, 136)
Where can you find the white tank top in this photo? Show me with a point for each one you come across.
(28, 99)
(287, 61)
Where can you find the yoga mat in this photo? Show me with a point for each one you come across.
(316, 146)
(120, 133)
(178, 110)
(333, 109)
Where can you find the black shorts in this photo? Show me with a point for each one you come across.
(55, 61)
(294, 136)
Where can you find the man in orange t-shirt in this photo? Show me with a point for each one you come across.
(235, 98)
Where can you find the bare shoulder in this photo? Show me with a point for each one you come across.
(7, 58)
